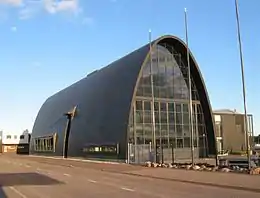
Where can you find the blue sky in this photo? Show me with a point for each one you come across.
(46, 45)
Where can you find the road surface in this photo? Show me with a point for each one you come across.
(25, 177)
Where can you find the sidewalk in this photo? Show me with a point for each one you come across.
(76, 159)
(217, 179)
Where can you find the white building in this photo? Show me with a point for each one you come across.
(14, 141)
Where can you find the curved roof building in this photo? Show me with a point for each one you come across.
(114, 109)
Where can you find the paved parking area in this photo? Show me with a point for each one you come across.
(33, 177)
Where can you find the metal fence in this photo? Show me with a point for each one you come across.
(139, 153)
(142, 153)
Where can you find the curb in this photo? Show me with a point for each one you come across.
(79, 160)
(216, 185)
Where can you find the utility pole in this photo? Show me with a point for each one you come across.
(244, 88)
(152, 91)
(190, 91)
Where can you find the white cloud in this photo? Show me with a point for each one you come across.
(14, 29)
(12, 2)
(51, 6)
(25, 13)
(29, 8)
(54, 6)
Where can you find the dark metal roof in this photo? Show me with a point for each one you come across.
(103, 101)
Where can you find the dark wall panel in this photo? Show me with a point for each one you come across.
(103, 102)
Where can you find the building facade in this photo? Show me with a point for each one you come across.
(12, 142)
(134, 109)
(230, 134)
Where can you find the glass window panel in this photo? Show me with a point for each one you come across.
(131, 121)
(147, 130)
(163, 117)
(172, 142)
(139, 91)
(44, 144)
(161, 66)
(164, 127)
(156, 116)
(147, 117)
(139, 126)
(165, 142)
(186, 118)
(169, 75)
(171, 107)
(200, 119)
(171, 117)
(157, 131)
(179, 143)
(138, 117)
(156, 80)
(141, 81)
(156, 106)
(146, 81)
(171, 133)
(194, 95)
(172, 127)
(178, 107)
(139, 105)
(199, 110)
(147, 105)
(179, 130)
(139, 132)
(195, 143)
(163, 106)
(187, 142)
(178, 118)
(194, 108)
(201, 130)
(147, 71)
(163, 92)
(170, 92)
(156, 91)
(185, 108)
(186, 130)
(194, 118)
(147, 91)
(169, 82)
(218, 130)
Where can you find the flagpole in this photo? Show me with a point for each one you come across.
(190, 91)
(243, 84)
(152, 92)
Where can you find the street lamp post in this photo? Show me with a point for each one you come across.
(152, 92)
(190, 91)
(243, 84)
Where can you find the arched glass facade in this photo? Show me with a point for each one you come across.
(171, 108)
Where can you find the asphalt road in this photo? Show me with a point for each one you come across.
(26, 178)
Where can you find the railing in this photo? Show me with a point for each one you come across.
(223, 153)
